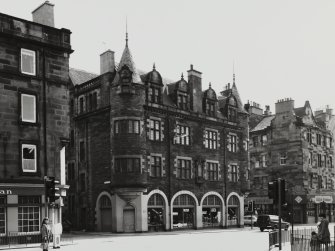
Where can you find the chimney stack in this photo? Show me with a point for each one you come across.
(284, 105)
(267, 111)
(195, 89)
(44, 14)
(107, 62)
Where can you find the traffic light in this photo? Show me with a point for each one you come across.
(273, 190)
(250, 206)
(282, 191)
(273, 187)
(51, 189)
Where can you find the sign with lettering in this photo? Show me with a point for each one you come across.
(6, 192)
(325, 198)
(261, 200)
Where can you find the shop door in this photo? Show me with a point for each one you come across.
(129, 220)
(106, 219)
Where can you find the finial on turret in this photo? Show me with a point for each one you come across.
(126, 32)
(233, 73)
(154, 67)
(210, 85)
(182, 75)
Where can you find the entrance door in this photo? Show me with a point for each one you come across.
(129, 220)
(106, 219)
(106, 214)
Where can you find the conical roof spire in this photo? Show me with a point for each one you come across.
(127, 59)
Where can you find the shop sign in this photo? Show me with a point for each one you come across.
(261, 200)
(324, 198)
(5, 192)
(186, 210)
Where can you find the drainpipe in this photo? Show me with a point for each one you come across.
(225, 175)
(6, 136)
(169, 167)
(45, 116)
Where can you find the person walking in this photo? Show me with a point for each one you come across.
(46, 234)
(323, 231)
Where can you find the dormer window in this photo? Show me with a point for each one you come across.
(125, 75)
(210, 108)
(154, 86)
(209, 102)
(154, 94)
(232, 109)
(232, 114)
(182, 101)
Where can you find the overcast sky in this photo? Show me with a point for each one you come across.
(280, 48)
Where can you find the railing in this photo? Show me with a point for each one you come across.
(23, 239)
(274, 238)
(300, 240)
(304, 243)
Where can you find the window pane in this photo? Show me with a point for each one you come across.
(28, 108)
(29, 158)
(28, 62)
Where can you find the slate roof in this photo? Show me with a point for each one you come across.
(80, 76)
(127, 59)
(264, 123)
(300, 112)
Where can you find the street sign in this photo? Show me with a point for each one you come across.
(298, 199)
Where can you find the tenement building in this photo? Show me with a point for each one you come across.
(151, 154)
(295, 145)
(34, 121)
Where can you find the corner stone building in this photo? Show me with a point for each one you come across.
(34, 118)
(297, 146)
(152, 154)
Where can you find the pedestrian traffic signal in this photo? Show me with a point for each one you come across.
(51, 189)
(250, 206)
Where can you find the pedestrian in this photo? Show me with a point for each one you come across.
(314, 243)
(323, 231)
(46, 234)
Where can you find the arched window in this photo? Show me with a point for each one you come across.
(105, 202)
(156, 200)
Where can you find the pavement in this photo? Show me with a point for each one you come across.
(77, 237)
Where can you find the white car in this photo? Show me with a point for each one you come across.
(247, 220)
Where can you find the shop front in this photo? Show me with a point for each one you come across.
(156, 213)
(321, 204)
(22, 208)
(233, 211)
(183, 212)
(262, 205)
(211, 212)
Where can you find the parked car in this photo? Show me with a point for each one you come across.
(247, 220)
(268, 221)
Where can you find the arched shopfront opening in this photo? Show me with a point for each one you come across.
(156, 212)
(233, 211)
(211, 211)
(183, 212)
(105, 206)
